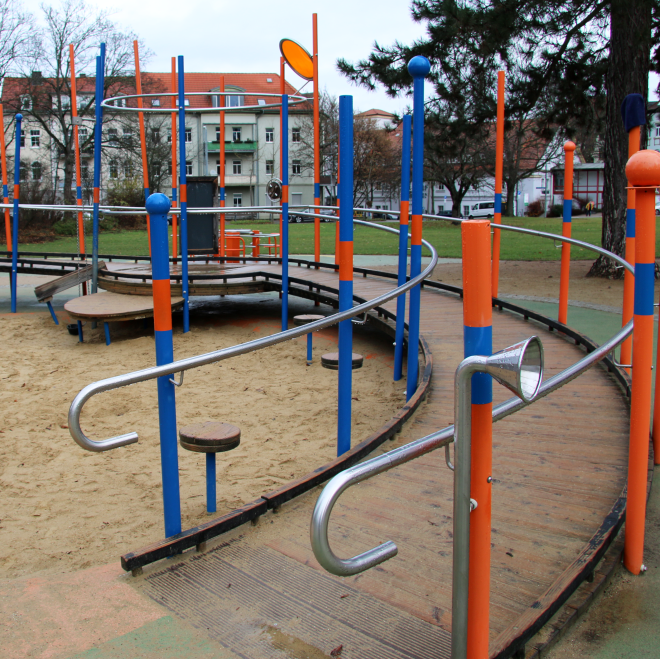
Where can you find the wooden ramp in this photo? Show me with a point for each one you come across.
(559, 469)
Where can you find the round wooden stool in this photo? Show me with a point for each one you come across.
(303, 320)
(331, 360)
(210, 437)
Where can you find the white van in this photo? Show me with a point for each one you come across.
(482, 209)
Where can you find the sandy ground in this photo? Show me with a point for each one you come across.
(63, 508)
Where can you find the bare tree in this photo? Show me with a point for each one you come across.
(43, 92)
(18, 38)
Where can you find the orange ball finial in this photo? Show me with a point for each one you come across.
(643, 169)
(569, 146)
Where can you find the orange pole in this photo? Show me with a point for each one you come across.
(221, 156)
(628, 277)
(317, 141)
(499, 165)
(478, 336)
(5, 189)
(282, 137)
(569, 148)
(143, 141)
(175, 223)
(643, 172)
(76, 146)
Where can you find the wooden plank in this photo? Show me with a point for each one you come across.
(46, 291)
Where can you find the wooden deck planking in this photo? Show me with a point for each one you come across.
(558, 468)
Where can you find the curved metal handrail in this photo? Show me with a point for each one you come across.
(218, 355)
(354, 475)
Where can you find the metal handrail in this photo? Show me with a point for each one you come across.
(218, 355)
(353, 475)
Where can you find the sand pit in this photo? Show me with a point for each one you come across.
(63, 508)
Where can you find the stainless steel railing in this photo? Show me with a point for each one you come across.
(354, 475)
(218, 355)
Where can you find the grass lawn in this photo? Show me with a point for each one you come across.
(443, 235)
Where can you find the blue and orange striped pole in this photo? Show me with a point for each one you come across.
(5, 187)
(284, 231)
(158, 206)
(499, 165)
(418, 67)
(98, 137)
(183, 195)
(633, 110)
(175, 220)
(643, 172)
(345, 367)
(478, 340)
(569, 148)
(317, 141)
(403, 246)
(17, 190)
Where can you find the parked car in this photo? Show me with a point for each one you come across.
(484, 209)
(657, 208)
(296, 218)
(384, 216)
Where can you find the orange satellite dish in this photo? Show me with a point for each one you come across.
(297, 58)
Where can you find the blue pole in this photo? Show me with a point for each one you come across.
(309, 348)
(106, 329)
(403, 246)
(158, 206)
(98, 137)
(17, 188)
(210, 483)
(284, 140)
(418, 67)
(52, 312)
(184, 196)
(80, 332)
(345, 368)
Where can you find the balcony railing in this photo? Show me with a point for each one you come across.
(244, 146)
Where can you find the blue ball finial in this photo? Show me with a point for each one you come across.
(419, 67)
(158, 204)
(19, 117)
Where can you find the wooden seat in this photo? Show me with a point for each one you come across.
(210, 437)
(306, 318)
(331, 360)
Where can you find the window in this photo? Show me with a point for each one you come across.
(35, 138)
(26, 103)
(36, 170)
(157, 169)
(217, 168)
(217, 134)
(657, 140)
(261, 101)
(84, 169)
(657, 132)
(269, 167)
(169, 137)
(169, 168)
(113, 137)
(379, 186)
(23, 171)
(188, 167)
(270, 134)
(22, 137)
(155, 102)
(82, 133)
(128, 170)
(186, 102)
(234, 101)
(114, 169)
(441, 209)
(238, 199)
(295, 134)
(127, 135)
(120, 103)
(236, 134)
(295, 167)
(466, 210)
(237, 167)
(155, 135)
(188, 135)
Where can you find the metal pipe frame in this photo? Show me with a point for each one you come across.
(211, 357)
(295, 99)
(337, 485)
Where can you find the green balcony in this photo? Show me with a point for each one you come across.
(246, 146)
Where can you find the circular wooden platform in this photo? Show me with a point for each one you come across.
(210, 437)
(112, 306)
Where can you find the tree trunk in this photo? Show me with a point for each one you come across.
(627, 73)
(510, 199)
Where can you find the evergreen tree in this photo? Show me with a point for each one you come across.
(566, 59)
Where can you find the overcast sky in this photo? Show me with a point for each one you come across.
(243, 37)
